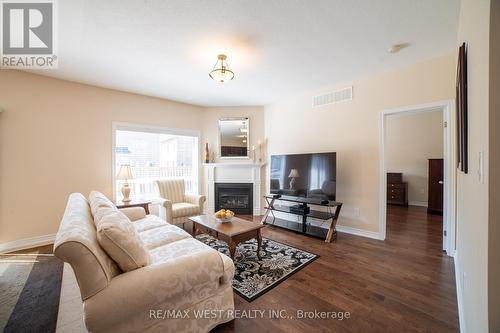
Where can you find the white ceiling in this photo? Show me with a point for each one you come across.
(275, 47)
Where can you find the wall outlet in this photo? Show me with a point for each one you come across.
(356, 212)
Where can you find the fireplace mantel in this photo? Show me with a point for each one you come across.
(229, 172)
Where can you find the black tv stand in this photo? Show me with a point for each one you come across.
(302, 207)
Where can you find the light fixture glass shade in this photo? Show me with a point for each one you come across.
(221, 72)
(125, 172)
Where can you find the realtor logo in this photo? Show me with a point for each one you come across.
(28, 30)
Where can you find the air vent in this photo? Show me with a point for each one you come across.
(334, 97)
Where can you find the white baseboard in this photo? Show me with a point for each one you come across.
(27, 243)
(417, 203)
(359, 232)
(458, 283)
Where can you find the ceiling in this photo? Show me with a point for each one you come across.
(275, 47)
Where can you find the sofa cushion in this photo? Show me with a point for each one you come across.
(98, 200)
(163, 235)
(120, 240)
(184, 209)
(176, 250)
(149, 222)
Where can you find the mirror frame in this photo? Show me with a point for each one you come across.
(220, 139)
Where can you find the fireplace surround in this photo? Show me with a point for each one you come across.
(233, 173)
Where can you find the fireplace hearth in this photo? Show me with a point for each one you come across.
(237, 197)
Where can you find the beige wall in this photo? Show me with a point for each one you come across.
(411, 139)
(494, 179)
(352, 129)
(494, 167)
(472, 195)
(55, 139)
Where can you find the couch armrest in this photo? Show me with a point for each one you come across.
(229, 269)
(133, 213)
(194, 199)
(165, 210)
(177, 283)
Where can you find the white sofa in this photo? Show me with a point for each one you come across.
(182, 275)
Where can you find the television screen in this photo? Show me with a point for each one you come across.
(304, 175)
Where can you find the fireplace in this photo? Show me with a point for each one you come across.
(237, 197)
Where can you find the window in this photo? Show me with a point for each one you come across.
(155, 154)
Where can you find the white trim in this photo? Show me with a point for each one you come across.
(458, 283)
(358, 232)
(417, 203)
(116, 125)
(449, 171)
(27, 243)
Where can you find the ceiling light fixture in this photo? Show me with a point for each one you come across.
(221, 72)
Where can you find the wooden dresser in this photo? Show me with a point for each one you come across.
(397, 190)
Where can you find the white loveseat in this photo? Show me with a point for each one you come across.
(182, 275)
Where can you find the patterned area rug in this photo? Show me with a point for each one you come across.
(254, 277)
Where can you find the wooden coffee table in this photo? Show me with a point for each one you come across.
(234, 232)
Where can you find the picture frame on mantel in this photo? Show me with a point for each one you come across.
(462, 112)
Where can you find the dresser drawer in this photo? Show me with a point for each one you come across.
(397, 194)
(396, 186)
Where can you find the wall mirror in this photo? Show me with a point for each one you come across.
(234, 137)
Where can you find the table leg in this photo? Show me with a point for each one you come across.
(232, 249)
(259, 243)
(194, 229)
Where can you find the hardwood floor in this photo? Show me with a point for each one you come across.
(403, 284)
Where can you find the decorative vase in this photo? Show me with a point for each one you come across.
(207, 154)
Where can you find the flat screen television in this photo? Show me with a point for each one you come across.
(304, 175)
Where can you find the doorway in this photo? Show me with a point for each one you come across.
(448, 170)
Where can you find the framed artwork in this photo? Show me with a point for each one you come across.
(462, 118)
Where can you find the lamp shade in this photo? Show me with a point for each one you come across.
(294, 173)
(125, 172)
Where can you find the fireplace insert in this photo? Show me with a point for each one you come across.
(237, 197)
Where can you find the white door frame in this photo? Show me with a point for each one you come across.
(449, 190)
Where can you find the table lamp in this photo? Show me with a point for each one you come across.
(125, 173)
(294, 173)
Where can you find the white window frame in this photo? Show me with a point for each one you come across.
(123, 126)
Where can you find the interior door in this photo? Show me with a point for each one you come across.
(436, 182)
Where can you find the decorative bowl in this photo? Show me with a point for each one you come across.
(224, 219)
